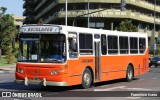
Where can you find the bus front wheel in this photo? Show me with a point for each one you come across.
(86, 78)
(129, 73)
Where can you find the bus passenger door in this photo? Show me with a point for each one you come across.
(97, 61)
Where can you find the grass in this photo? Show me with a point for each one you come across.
(3, 62)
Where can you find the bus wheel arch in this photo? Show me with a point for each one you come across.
(88, 72)
(129, 72)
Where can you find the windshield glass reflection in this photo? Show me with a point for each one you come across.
(42, 48)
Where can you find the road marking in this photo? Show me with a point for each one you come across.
(1, 72)
(137, 89)
(17, 99)
(77, 90)
(154, 78)
(123, 87)
(140, 79)
(80, 90)
(109, 89)
(105, 85)
(133, 97)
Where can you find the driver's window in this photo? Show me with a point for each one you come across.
(72, 41)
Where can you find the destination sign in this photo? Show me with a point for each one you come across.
(39, 29)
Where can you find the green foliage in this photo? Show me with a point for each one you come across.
(127, 26)
(157, 51)
(7, 30)
(10, 55)
(151, 51)
(16, 50)
(25, 50)
(154, 52)
(40, 21)
(3, 9)
(7, 34)
(3, 61)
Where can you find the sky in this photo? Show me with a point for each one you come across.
(13, 6)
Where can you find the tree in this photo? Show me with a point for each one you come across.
(40, 21)
(7, 33)
(2, 11)
(127, 26)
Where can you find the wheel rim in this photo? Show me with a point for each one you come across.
(130, 74)
(87, 79)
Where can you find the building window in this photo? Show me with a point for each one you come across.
(92, 24)
(98, 25)
(86, 44)
(19, 20)
(123, 43)
(142, 45)
(133, 45)
(112, 45)
(93, 6)
(103, 44)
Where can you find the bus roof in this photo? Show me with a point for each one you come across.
(84, 30)
(102, 31)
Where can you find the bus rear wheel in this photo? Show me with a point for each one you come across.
(129, 73)
(86, 79)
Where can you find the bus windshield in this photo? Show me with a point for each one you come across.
(44, 48)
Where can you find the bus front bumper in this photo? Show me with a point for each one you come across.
(39, 82)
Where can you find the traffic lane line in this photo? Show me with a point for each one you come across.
(123, 88)
(109, 89)
(133, 98)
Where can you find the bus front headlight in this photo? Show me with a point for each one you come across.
(20, 70)
(54, 72)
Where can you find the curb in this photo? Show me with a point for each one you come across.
(9, 72)
(8, 68)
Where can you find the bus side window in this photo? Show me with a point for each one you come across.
(123, 44)
(103, 44)
(142, 45)
(133, 45)
(85, 44)
(72, 41)
(112, 44)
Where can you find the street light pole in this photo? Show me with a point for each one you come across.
(88, 12)
(75, 18)
(154, 16)
(66, 13)
(154, 30)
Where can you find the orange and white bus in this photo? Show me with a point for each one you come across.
(57, 55)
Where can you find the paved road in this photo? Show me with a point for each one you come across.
(147, 82)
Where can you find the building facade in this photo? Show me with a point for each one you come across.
(18, 20)
(105, 14)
